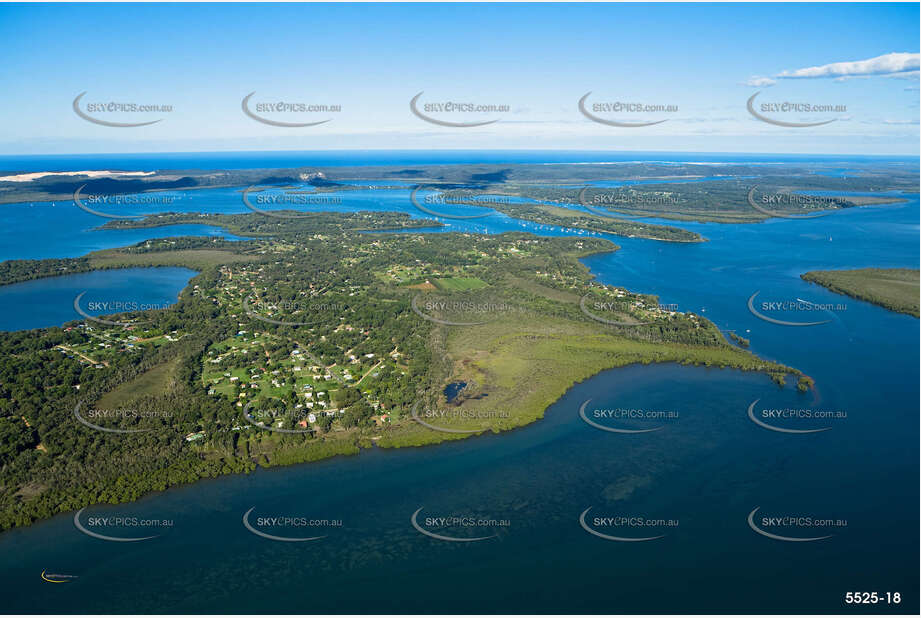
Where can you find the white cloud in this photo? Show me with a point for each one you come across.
(759, 82)
(912, 75)
(887, 64)
(908, 75)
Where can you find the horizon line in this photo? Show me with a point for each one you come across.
(470, 150)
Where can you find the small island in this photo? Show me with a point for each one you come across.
(895, 289)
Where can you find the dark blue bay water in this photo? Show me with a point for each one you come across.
(50, 302)
(40, 230)
(706, 469)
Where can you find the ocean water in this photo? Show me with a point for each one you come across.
(706, 469)
(260, 159)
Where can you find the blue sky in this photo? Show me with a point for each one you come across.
(699, 62)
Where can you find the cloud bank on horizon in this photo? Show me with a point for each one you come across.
(902, 65)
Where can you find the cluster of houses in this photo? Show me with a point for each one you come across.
(309, 398)
(118, 340)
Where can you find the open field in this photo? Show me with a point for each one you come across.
(517, 367)
(151, 382)
(451, 284)
(197, 259)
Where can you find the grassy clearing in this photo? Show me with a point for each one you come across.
(455, 284)
(525, 365)
(155, 381)
(197, 259)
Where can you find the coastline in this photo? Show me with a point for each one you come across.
(348, 448)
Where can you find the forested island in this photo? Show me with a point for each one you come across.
(896, 289)
(312, 338)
